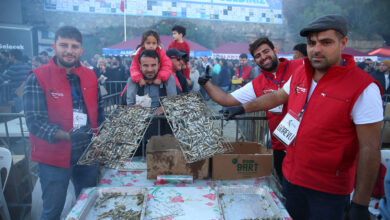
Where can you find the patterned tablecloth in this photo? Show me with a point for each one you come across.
(183, 201)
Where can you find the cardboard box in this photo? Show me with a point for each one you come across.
(248, 160)
(164, 157)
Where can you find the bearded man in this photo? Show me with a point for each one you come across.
(275, 73)
(63, 107)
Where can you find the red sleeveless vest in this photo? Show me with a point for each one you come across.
(324, 154)
(263, 84)
(54, 83)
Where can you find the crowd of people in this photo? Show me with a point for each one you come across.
(336, 106)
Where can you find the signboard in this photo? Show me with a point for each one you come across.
(18, 37)
(257, 11)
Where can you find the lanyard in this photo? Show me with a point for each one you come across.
(281, 78)
(77, 96)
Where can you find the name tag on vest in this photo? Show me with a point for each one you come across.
(79, 119)
(277, 109)
(287, 129)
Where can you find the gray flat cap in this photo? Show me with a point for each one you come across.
(336, 22)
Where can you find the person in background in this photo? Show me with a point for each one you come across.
(36, 62)
(224, 78)
(115, 74)
(215, 71)
(101, 71)
(16, 74)
(371, 66)
(181, 82)
(243, 71)
(44, 57)
(194, 76)
(300, 51)
(382, 75)
(332, 129)
(178, 33)
(63, 109)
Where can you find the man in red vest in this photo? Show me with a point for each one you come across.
(275, 73)
(243, 71)
(63, 108)
(332, 128)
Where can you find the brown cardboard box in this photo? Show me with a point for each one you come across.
(248, 160)
(164, 157)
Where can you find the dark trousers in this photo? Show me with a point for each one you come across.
(307, 204)
(152, 130)
(278, 161)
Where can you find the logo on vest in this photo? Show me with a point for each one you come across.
(55, 94)
(299, 89)
(265, 91)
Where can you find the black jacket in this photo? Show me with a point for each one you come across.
(380, 77)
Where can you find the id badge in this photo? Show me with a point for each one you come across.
(288, 128)
(79, 119)
(277, 109)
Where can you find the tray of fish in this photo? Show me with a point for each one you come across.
(127, 203)
(247, 202)
(194, 127)
(119, 137)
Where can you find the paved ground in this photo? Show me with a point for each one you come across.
(229, 127)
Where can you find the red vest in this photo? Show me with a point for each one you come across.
(263, 84)
(54, 83)
(245, 75)
(324, 154)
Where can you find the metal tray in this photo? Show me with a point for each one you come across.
(247, 202)
(128, 198)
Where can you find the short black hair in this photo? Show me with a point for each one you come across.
(180, 29)
(149, 53)
(69, 32)
(243, 56)
(17, 54)
(257, 43)
(44, 53)
(302, 48)
(118, 58)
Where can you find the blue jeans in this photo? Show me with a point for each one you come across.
(307, 204)
(55, 180)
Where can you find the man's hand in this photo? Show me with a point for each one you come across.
(80, 134)
(142, 83)
(233, 111)
(357, 212)
(159, 111)
(157, 82)
(203, 80)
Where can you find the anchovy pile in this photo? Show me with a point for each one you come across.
(193, 127)
(119, 137)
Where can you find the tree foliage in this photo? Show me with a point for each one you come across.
(367, 19)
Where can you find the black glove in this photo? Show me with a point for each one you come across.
(235, 110)
(203, 80)
(83, 133)
(357, 212)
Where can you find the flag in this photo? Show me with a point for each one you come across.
(123, 5)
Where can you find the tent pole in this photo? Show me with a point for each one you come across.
(124, 20)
